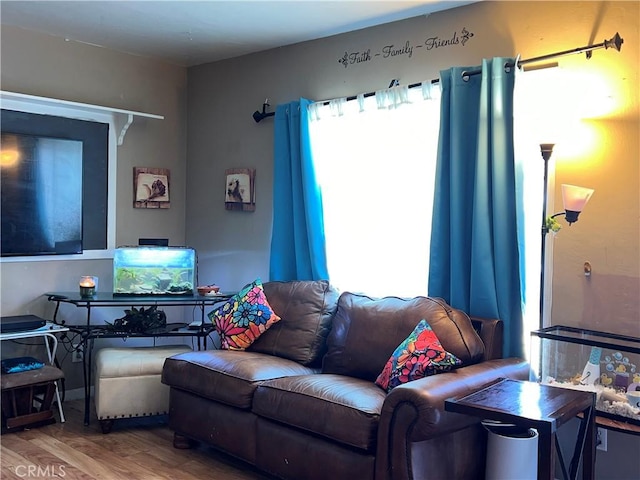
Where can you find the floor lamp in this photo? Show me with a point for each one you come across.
(573, 198)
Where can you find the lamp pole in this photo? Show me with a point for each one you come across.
(545, 149)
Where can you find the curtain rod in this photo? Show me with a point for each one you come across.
(615, 42)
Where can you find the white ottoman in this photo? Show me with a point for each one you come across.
(127, 382)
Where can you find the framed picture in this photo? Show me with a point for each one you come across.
(239, 189)
(151, 187)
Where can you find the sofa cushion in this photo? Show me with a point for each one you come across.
(227, 376)
(366, 331)
(420, 355)
(306, 309)
(243, 318)
(342, 409)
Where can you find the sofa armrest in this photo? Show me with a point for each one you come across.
(491, 331)
(414, 411)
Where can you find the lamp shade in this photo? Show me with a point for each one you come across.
(574, 199)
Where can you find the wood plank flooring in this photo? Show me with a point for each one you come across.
(136, 449)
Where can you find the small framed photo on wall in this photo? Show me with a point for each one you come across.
(239, 191)
(151, 187)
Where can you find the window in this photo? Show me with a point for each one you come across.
(102, 239)
(376, 168)
(375, 159)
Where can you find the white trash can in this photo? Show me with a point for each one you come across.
(512, 452)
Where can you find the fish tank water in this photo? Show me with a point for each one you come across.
(154, 271)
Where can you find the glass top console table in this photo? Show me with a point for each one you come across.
(108, 299)
(89, 332)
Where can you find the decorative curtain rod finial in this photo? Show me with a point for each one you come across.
(614, 42)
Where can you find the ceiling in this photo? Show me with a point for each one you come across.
(190, 33)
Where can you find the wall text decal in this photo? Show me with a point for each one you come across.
(406, 50)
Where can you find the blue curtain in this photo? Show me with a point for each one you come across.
(474, 258)
(297, 242)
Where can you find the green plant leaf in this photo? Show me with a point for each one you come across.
(553, 225)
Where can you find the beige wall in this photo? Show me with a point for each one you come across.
(208, 128)
(46, 66)
(234, 246)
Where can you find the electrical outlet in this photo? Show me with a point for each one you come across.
(601, 439)
(77, 355)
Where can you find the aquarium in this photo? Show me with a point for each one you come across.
(600, 362)
(154, 271)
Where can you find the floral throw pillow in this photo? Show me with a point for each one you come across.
(419, 355)
(243, 318)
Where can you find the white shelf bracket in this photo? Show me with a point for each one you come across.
(123, 128)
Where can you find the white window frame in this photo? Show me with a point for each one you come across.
(118, 121)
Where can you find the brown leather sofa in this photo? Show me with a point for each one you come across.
(301, 402)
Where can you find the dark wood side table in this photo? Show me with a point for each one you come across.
(545, 408)
(48, 333)
(22, 391)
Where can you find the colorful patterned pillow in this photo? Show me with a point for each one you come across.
(243, 318)
(419, 355)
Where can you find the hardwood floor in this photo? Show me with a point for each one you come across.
(135, 449)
